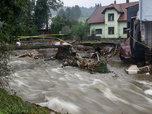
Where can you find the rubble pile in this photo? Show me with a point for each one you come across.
(35, 55)
(87, 64)
(133, 69)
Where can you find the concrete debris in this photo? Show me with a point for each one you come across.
(133, 69)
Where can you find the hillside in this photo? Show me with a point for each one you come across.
(85, 12)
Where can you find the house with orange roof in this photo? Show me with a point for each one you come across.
(110, 21)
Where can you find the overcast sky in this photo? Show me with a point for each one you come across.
(89, 3)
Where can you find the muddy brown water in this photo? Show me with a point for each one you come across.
(70, 89)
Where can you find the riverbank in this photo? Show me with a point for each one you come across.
(12, 104)
(73, 90)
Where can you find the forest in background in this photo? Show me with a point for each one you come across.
(85, 12)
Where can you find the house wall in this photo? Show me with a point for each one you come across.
(145, 10)
(118, 26)
(148, 33)
(112, 23)
(122, 25)
(93, 27)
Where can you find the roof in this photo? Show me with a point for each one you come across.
(96, 16)
(99, 17)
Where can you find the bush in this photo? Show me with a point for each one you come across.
(4, 56)
(101, 67)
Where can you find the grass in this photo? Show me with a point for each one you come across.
(11, 104)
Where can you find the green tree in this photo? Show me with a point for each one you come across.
(68, 10)
(16, 19)
(58, 24)
(80, 30)
(42, 11)
(77, 12)
(73, 13)
(62, 13)
(10, 12)
(17, 22)
(55, 4)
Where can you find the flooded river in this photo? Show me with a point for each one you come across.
(70, 89)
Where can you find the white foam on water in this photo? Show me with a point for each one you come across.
(61, 106)
(15, 75)
(99, 82)
(108, 93)
(145, 83)
(148, 92)
(79, 76)
(19, 83)
(17, 62)
(57, 70)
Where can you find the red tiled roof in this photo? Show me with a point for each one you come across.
(98, 14)
(116, 6)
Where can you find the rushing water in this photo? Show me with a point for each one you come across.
(70, 89)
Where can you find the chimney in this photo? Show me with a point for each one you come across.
(115, 2)
(127, 1)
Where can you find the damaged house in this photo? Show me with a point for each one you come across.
(110, 21)
(139, 40)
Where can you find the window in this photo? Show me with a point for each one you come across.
(111, 17)
(124, 30)
(111, 30)
(98, 31)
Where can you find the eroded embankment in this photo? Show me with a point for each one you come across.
(71, 89)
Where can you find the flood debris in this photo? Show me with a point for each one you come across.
(63, 53)
(25, 55)
(33, 54)
(82, 47)
(109, 51)
(87, 64)
(146, 69)
(133, 69)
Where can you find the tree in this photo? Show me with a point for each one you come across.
(16, 18)
(62, 13)
(80, 30)
(42, 11)
(58, 24)
(55, 4)
(78, 12)
(9, 14)
(68, 10)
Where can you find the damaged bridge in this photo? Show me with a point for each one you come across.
(43, 41)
